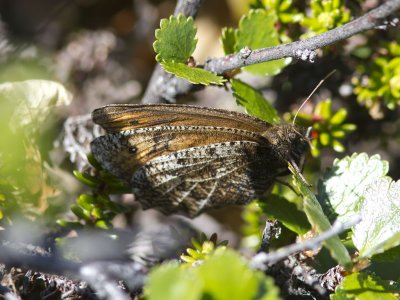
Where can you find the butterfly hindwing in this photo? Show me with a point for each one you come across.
(204, 177)
(122, 153)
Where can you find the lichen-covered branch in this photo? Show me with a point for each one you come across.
(305, 49)
(262, 259)
(165, 87)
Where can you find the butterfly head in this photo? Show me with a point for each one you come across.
(292, 143)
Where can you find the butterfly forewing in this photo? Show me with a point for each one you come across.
(116, 118)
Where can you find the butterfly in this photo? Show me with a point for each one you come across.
(187, 159)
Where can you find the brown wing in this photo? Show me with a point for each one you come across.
(122, 153)
(192, 180)
(119, 117)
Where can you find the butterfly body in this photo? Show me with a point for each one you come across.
(186, 159)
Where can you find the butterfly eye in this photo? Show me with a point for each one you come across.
(133, 149)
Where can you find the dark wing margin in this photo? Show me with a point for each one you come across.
(119, 117)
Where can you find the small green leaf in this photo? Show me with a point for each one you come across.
(79, 212)
(94, 162)
(339, 117)
(286, 212)
(379, 228)
(175, 40)
(324, 138)
(257, 30)
(365, 286)
(226, 276)
(325, 15)
(349, 127)
(319, 221)
(70, 224)
(324, 109)
(196, 244)
(193, 253)
(342, 187)
(193, 75)
(228, 40)
(254, 102)
(170, 282)
(85, 201)
(97, 213)
(338, 134)
(102, 224)
(187, 258)
(338, 146)
(86, 179)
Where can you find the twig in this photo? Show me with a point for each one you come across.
(79, 131)
(102, 277)
(167, 88)
(7, 294)
(304, 49)
(261, 260)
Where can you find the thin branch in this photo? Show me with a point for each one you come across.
(102, 276)
(304, 49)
(167, 87)
(261, 260)
(188, 8)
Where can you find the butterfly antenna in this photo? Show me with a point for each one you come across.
(312, 93)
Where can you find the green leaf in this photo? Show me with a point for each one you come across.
(324, 109)
(286, 212)
(70, 224)
(19, 68)
(85, 201)
(193, 253)
(324, 138)
(389, 256)
(86, 179)
(349, 127)
(79, 212)
(228, 40)
(257, 30)
(170, 282)
(226, 276)
(254, 102)
(102, 224)
(379, 228)
(338, 146)
(342, 186)
(319, 221)
(364, 286)
(193, 75)
(33, 101)
(175, 39)
(339, 117)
